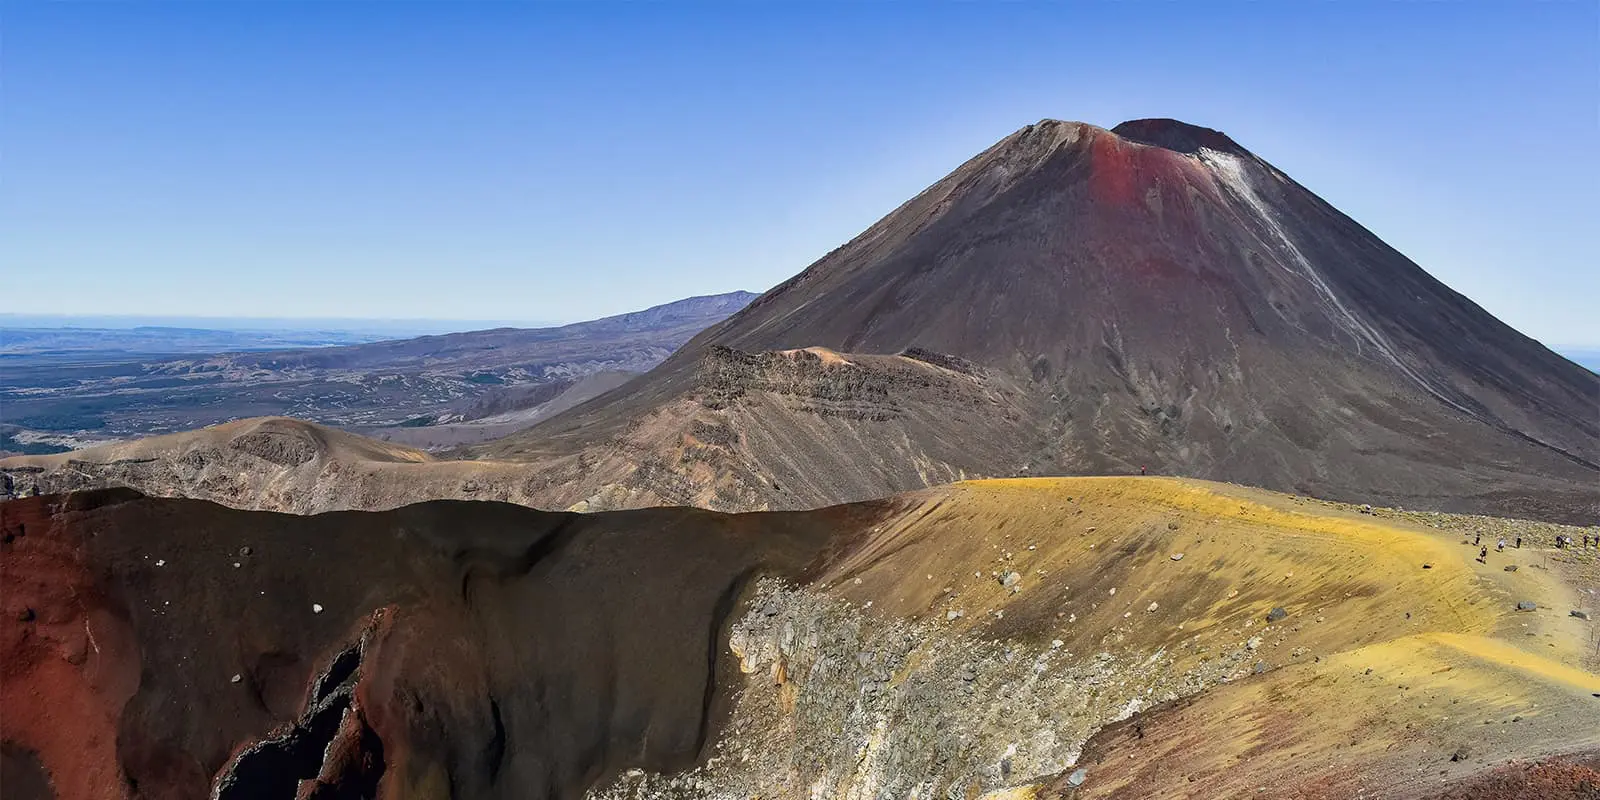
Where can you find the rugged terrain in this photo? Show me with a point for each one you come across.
(1091, 637)
(392, 388)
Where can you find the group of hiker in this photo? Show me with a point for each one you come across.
(1563, 542)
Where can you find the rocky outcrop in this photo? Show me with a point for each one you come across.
(838, 702)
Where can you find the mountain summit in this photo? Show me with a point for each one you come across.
(1151, 295)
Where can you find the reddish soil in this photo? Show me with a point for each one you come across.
(68, 658)
(1565, 778)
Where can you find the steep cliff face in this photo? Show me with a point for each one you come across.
(992, 637)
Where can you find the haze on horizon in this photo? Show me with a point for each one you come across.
(557, 163)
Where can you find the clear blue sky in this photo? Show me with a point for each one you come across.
(565, 161)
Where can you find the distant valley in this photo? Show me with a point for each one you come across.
(67, 388)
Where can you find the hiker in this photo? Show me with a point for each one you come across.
(1141, 469)
(1558, 541)
(1483, 556)
(1477, 540)
(1500, 546)
(1519, 542)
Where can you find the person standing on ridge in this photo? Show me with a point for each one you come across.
(1141, 469)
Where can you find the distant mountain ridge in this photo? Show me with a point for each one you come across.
(527, 347)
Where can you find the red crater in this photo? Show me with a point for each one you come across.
(68, 659)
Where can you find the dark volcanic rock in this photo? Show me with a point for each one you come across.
(1168, 300)
(465, 649)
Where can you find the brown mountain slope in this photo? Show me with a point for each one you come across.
(957, 641)
(1162, 297)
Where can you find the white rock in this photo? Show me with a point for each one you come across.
(316, 608)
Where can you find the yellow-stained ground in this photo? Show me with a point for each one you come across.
(1399, 650)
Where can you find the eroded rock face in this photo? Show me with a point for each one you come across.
(278, 447)
(837, 702)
